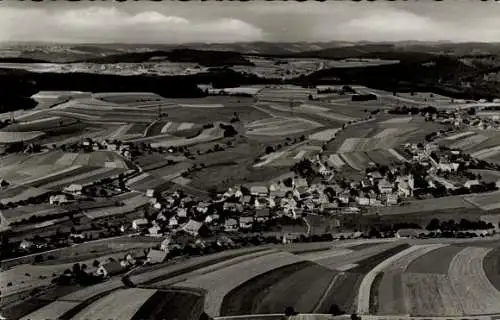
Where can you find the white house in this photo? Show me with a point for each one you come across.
(385, 186)
(182, 212)
(172, 222)
(471, 183)
(75, 189)
(165, 244)
(154, 230)
(25, 245)
(211, 218)
(138, 223)
(392, 199)
(231, 225)
(246, 222)
(259, 191)
(58, 199)
(363, 201)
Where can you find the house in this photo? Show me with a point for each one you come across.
(211, 218)
(362, 201)
(74, 189)
(150, 193)
(262, 215)
(279, 193)
(172, 222)
(259, 191)
(392, 199)
(384, 186)
(165, 244)
(192, 227)
(246, 222)
(109, 269)
(202, 207)
(58, 199)
(112, 146)
(471, 183)
(156, 256)
(405, 187)
(161, 217)
(182, 212)
(231, 225)
(139, 223)
(25, 245)
(154, 230)
(344, 198)
(375, 202)
(246, 199)
(233, 207)
(300, 182)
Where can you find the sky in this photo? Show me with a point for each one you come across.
(222, 22)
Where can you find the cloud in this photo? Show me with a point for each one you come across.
(109, 24)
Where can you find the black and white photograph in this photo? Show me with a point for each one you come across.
(253, 160)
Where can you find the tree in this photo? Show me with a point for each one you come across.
(335, 310)
(433, 225)
(269, 149)
(290, 311)
(76, 268)
(96, 264)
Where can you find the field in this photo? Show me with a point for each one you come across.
(280, 126)
(121, 304)
(288, 157)
(325, 135)
(361, 160)
(131, 201)
(56, 169)
(385, 278)
(284, 93)
(155, 179)
(11, 137)
(487, 201)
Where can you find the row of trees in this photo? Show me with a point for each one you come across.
(463, 224)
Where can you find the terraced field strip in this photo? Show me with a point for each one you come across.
(74, 114)
(476, 293)
(39, 181)
(300, 155)
(348, 159)
(486, 202)
(94, 173)
(386, 133)
(459, 135)
(270, 158)
(121, 304)
(214, 105)
(161, 272)
(469, 142)
(363, 300)
(325, 254)
(219, 283)
(11, 137)
(301, 284)
(53, 310)
(165, 128)
(336, 161)
(212, 268)
(177, 304)
(398, 120)
(397, 155)
(325, 135)
(350, 145)
(486, 153)
(431, 295)
(390, 292)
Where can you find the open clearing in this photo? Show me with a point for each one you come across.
(487, 201)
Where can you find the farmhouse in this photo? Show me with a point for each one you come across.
(25, 245)
(139, 223)
(156, 256)
(211, 218)
(259, 191)
(172, 222)
(231, 225)
(58, 199)
(246, 222)
(109, 269)
(471, 183)
(74, 189)
(385, 186)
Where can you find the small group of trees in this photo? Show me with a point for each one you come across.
(464, 224)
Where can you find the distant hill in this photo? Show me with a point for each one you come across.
(202, 57)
